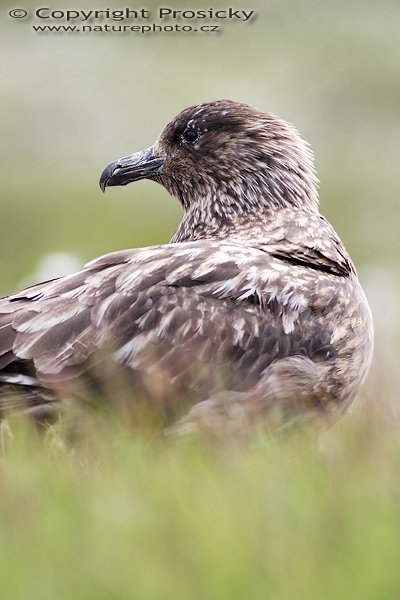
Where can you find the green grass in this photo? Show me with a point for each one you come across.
(116, 514)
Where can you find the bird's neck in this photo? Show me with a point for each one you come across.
(194, 227)
(221, 218)
(243, 204)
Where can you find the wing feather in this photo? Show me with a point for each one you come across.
(205, 314)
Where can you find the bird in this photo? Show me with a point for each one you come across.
(253, 310)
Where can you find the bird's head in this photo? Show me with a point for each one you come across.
(226, 156)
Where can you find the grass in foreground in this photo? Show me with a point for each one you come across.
(115, 515)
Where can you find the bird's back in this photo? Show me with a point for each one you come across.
(190, 321)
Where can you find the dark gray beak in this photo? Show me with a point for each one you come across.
(131, 168)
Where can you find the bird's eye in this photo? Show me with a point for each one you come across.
(190, 135)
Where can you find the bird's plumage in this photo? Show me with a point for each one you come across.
(254, 306)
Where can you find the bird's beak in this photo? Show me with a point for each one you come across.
(131, 168)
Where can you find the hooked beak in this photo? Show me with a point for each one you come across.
(131, 168)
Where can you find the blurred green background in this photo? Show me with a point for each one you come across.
(73, 102)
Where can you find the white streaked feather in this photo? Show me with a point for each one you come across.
(288, 322)
(250, 292)
(224, 287)
(24, 380)
(133, 347)
(48, 318)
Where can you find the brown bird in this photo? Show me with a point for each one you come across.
(253, 309)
